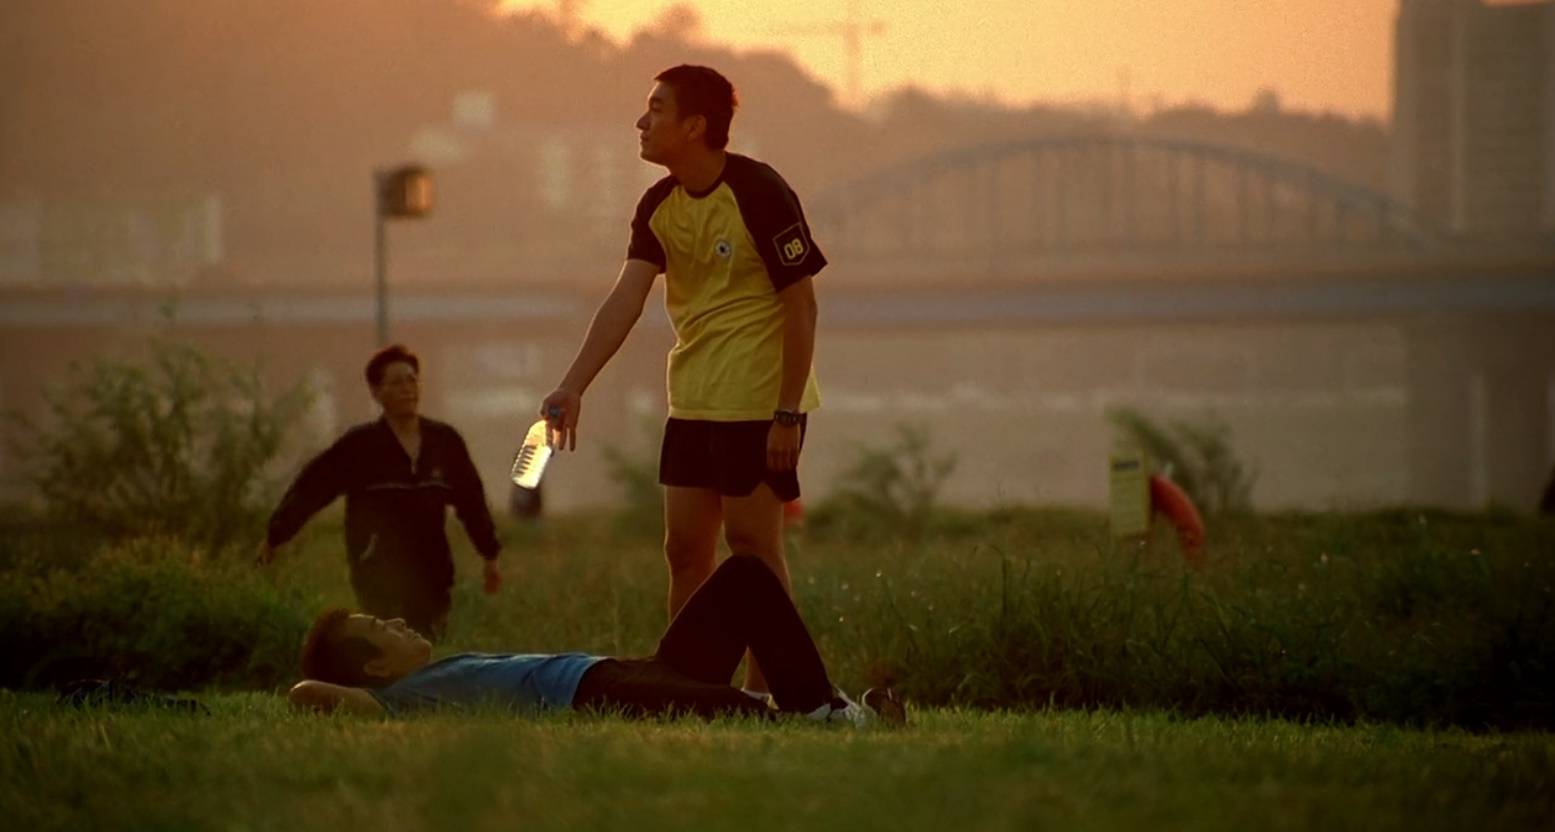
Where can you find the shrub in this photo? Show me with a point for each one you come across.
(1198, 456)
(153, 612)
(636, 475)
(894, 486)
(177, 446)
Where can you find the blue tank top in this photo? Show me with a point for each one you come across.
(520, 681)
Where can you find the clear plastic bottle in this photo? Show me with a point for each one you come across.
(529, 463)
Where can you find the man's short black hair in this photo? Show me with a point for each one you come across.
(330, 656)
(386, 356)
(701, 91)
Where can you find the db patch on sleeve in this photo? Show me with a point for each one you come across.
(791, 245)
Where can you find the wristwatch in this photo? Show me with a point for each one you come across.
(787, 418)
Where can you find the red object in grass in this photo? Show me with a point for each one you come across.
(793, 513)
(1168, 499)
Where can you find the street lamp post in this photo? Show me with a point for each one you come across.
(404, 192)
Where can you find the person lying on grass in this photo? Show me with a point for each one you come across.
(363, 664)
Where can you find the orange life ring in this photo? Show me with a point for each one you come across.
(793, 513)
(1168, 499)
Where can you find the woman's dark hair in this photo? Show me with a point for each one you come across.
(386, 356)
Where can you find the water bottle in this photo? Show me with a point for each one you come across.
(529, 462)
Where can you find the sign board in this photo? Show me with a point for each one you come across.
(1129, 493)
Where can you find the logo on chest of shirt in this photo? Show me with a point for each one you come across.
(723, 249)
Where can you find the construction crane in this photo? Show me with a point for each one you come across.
(852, 30)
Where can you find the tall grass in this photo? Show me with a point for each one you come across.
(1410, 617)
(1404, 616)
(154, 612)
(252, 764)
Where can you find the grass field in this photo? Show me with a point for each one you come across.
(1388, 670)
(253, 765)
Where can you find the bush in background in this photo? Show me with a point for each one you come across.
(894, 486)
(177, 446)
(153, 612)
(636, 475)
(1198, 456)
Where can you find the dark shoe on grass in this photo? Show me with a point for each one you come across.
(892, 712)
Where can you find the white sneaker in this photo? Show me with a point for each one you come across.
(880, 707)
(842, 711)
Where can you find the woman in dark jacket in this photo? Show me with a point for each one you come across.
(398, 474)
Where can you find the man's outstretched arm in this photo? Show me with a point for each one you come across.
(612, 323)
(325, 698)
(324, 478)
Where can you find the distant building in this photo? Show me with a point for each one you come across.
(157, 240)
(1474, 116)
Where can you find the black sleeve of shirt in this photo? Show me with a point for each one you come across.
(775, 220)
(324, 478)
(644, 244)
(469, 497)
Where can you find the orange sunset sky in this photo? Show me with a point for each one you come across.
(1317, 54)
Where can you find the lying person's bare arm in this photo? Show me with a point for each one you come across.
(323, 697)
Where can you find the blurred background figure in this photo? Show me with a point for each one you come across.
(398, 474)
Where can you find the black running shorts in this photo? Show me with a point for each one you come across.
(727, 457)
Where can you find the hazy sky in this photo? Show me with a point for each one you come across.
(1318, 54)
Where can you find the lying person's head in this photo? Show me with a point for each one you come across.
(360, 651)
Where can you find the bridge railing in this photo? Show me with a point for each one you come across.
(1106, 197)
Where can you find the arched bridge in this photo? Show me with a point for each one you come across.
(1106, 199)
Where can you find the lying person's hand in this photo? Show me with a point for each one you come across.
(322, 697)
(492, 576)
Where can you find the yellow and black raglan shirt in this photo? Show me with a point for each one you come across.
(726, 253)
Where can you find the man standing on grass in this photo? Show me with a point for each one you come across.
(730, 237)
(399, 473)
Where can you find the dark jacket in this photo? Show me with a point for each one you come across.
(394, 513)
